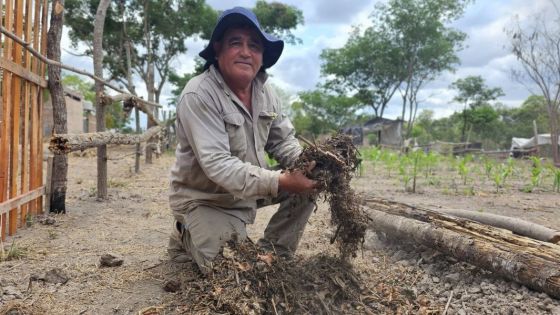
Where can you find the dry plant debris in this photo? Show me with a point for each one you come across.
(336, 161)
(247, 281)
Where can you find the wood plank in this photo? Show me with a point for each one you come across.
(24, 150)
(23, 73)
(16, 115)
(36, 123)
(21, 199)
(36, 35)
(48, 190)
(6, 87)
(1, 23)
(25, 180)
(42, 72)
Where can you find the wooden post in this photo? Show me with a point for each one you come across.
(48, 189)
(138, 146)
(16, 107)
(99, 102)
(60, 161)
(7, 114)
(536, 135)
(25, 180)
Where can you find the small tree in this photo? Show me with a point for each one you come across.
(473, 93)
(536, 48)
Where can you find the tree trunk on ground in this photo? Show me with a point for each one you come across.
(66, 143)
(99, 100)
(60, 161)
(516, 225)
(526, 261)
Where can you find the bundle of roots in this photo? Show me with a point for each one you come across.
(336, 162)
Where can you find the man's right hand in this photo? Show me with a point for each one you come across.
(296, 181)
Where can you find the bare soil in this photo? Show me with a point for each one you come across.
(134, 225)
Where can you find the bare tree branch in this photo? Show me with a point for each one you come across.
(35, 53)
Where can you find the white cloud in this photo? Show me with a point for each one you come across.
(328, 24)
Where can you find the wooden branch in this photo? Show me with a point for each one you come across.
(130, 101)
(63, 144)
(516, 225)
(530, 262)
(35, 53)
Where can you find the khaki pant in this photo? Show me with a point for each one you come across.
(205, 229)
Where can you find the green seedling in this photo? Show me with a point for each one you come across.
(463, 167)
(501, 173)
(14, 252)
(488, 165)
(556, 179)
(536, 171)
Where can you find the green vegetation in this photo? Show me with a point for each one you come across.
(14, 252)
(417, 169)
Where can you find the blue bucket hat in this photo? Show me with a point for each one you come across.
(273, 46)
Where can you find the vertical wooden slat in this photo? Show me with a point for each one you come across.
(1, 23)
(16, 115)
(42, 73)
(25, 123)
(36, 123)
(6, 88)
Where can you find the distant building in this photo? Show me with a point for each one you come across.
(80, 114)
(389, 132)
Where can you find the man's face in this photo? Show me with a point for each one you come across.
(240, 54)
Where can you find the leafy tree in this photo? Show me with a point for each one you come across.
(495, 125)
(279, 19)
(318, 112)
(367, 67)
(473, 93)
(155, 32)
(114, 118)
(428, 46)
(407, 46)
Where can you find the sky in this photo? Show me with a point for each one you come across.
(327, 24)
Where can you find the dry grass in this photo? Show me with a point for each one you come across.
(12, 253)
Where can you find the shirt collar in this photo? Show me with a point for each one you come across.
(259, 80)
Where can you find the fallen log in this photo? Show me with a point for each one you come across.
(515, 225)
(530, 262)
(66, 143)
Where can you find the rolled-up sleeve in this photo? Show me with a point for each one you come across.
(206, 132)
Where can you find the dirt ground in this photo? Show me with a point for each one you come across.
(134, 225)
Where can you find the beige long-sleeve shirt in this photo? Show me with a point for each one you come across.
(221, 146)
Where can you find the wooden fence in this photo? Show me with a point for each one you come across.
(21, 145)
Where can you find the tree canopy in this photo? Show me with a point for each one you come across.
(142, 30)
(407, 46)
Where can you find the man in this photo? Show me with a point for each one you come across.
(227, 120)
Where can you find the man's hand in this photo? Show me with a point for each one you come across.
(296, 181)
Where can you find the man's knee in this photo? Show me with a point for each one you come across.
(207, 232)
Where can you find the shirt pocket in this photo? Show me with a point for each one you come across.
(264, 124)
(236, 134)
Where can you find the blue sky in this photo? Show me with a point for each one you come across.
(328, 23)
